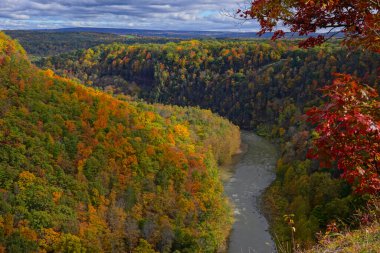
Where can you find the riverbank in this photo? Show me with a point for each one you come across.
(228, 170)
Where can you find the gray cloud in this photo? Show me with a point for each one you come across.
(147, 14)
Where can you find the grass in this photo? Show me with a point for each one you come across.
(364, 240)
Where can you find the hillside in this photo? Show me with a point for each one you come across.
(82, 171)
(258, 85)
(48, 43)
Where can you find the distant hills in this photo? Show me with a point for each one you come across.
(175, 33)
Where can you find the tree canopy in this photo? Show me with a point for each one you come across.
(348, 128)
(359, 20)
(83, 171)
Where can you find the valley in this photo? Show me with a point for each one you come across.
(262, 86)
(84, 171)
(120, 137)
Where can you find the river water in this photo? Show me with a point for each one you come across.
(253, 172)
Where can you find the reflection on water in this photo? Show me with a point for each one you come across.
(253, 173)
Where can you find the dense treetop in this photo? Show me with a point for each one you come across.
(47, 43)
(261, 85)
(82, 171)
(250, 82)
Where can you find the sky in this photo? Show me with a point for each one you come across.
(191, 15)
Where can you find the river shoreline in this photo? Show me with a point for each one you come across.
(227, 170)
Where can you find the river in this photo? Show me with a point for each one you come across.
(252, 173)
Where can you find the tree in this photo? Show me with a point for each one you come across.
(348, 133)
(359, 20)
(144, 247)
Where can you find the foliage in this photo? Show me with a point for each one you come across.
(359, 20)
(47, 43)
(255, 84)
(81, 171)
(348, 132)
(258, 85)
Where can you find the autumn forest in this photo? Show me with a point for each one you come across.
(126, 143)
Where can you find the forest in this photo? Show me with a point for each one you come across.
(84, 171)
(249, 82)
(261, 85)
(160, 126)
(47, 43)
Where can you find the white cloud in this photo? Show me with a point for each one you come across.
(158, 14)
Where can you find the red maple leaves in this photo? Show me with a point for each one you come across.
(348, 128)
(359, 20)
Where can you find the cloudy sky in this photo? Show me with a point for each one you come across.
(144, 14)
